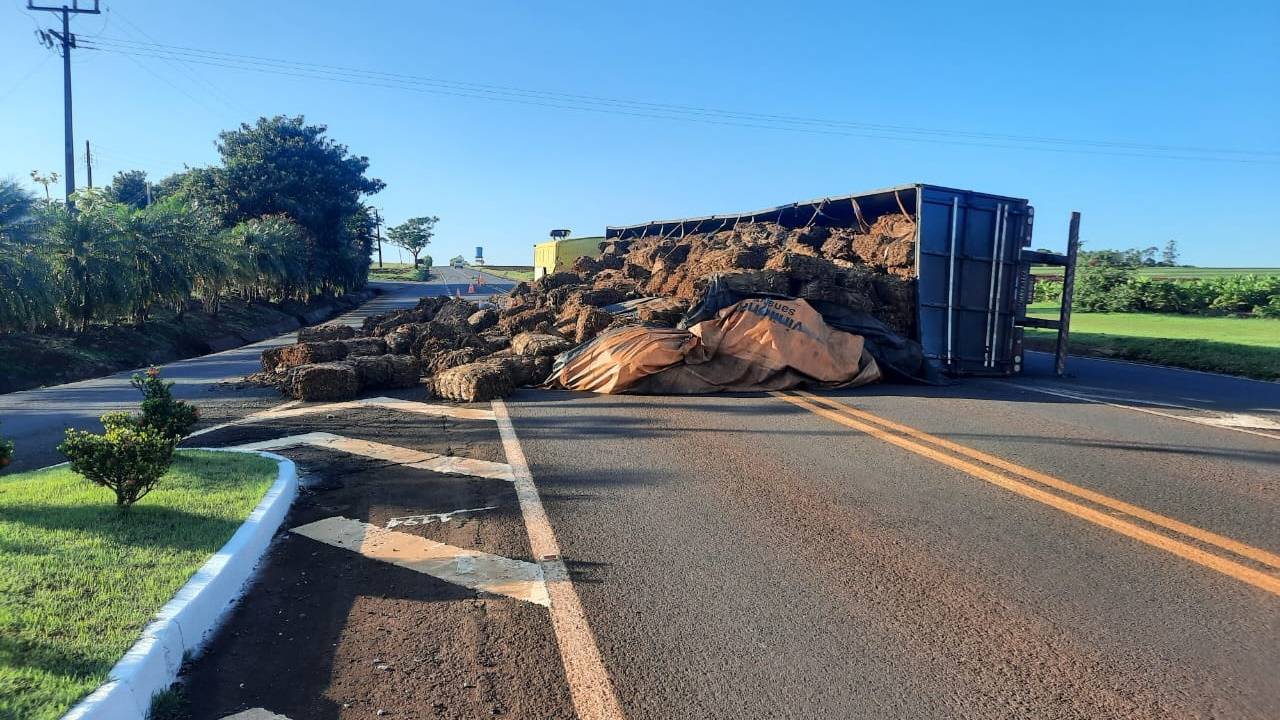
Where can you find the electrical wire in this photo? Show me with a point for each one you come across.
(592, 99)
(661, 111)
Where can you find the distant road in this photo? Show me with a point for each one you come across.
(461, 280)
(35, 419)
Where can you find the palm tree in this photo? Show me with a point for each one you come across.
(156, 243)
(26, 297)
(277, 256)
(87, 260)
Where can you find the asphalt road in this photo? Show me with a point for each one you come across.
(35, 419)
(743, 557)
(1099, 546)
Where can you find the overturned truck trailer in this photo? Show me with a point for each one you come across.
(972, 270)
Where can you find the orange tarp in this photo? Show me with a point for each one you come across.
(755, 344)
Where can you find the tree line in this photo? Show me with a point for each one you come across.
(281, 217)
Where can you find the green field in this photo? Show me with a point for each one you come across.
(1236, 346)
(511, 272)
(80, 578)
(393, 271)
(1177, 273)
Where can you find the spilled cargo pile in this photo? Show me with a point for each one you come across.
(466, 351)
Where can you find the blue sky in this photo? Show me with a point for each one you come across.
(500, 174)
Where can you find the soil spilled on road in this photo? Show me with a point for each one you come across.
(326, 632)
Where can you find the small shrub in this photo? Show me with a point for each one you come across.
(160, 411)
(1270, 310)
(1100, 289)
(1046, 291)
(128, 458)
(6, 452)
(423, 272)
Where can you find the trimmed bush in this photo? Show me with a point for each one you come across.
(172, 418)
(129, 458)
(6, 452)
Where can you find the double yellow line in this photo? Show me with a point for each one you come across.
(1032, 484)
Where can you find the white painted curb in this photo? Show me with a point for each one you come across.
(186, 621)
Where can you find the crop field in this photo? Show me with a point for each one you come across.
(1171, 273)
(1233, 345)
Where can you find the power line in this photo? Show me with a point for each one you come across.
(181, 66)
(25, 77)
(659, 110)
(257, 60)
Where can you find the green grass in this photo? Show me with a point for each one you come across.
(79, 578)
(393, 271)
(511, 272)
(1237, 346)
(1175, 273)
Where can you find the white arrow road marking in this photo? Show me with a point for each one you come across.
(444, 517)
(471, 569)
(390, 453)
(295, 408)
(255, 714)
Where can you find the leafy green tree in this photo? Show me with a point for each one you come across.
(414, 234)
(129, 187)
(46, 181)
(282, 165)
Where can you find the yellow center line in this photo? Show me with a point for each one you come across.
(1181, 549)
(1239, 548)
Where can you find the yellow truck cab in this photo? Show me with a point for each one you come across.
(556, 255)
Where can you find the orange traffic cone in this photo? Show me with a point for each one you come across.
(471, 289)
(457, 294)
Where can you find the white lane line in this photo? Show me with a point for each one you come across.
(255, 714)
(390, 453)
(1225, 422)
(589, 684)
(295, 408)
(471, 569)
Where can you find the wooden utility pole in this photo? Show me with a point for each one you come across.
(68, 42)
(1068, 293)
(88, 165)
(377, 225)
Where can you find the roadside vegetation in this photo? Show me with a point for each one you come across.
(519, 273)
(401, 271)
(82, 572)
(1249, 347)
(79, 578)
(1129, 306)
(1140, 304)
(281, 220)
